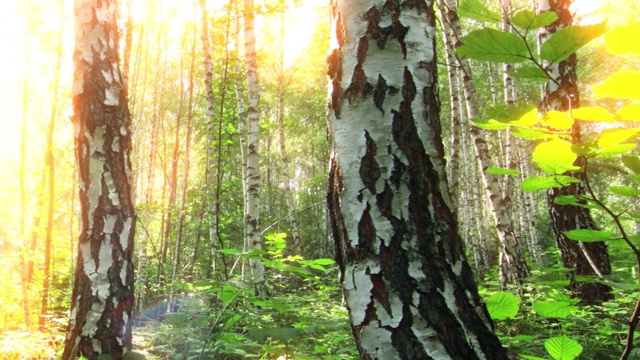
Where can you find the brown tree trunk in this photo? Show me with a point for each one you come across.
(407, 284)
(591, 258)
(102, 297)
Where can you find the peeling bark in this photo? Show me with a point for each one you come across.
(568, 217)
(407, 284)
(102, 297)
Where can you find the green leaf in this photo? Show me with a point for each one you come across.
(592, 113)
(563, 348)
(530, 357)
(612, 137)
(567, 41)
(625, 191)
(623, 40)
(535, 183)
(554, 309)
(632, 162)
(615, 150)
(489, 124)
(532, 133)
(279, 334)
(588, 148)
(530, 72)
(324, 262)
(502, 305)
(557, 120)
(586, 235)
(529, 20)
(494, 45)
(501, 171)
(474, 9)
(629, 112)
(555, 157)
(621, 85)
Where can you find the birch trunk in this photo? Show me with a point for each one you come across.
(254, 238)
(575, 255)
(513, 266)
(407, 284)
(102, 297)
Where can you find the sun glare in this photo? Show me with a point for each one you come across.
(299, 28)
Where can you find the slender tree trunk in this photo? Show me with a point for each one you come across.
(254, 237)
(575, 255)
(50, 161)
(103, 296)
(408, 287)
(513, 266)
(294, 245)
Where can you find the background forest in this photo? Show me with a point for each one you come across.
(195, 297)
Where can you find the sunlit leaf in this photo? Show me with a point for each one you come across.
(489, 124)
(567, 41)
(555, 157)
(535, 183)
(527, 119)
(530, 72)
(554, 309)
(614, 150)
(622, 85)
(501, 171)
(592, 113)
(529, 20)
(474, 9)
(632, 162)
(494, 45)
(625, 191)
(532, 133)
(563, 348)
(630, 112)
(502, 305)
(557, 120)
(612, 137)
(587, 235)
(623, 40)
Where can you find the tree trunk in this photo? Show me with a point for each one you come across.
(407, 284)
(575, 255)
(513, 266)
(254, 238)
(102, 297)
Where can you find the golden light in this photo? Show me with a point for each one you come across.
(299, 28)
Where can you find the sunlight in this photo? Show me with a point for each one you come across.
(299, 28)
(588, 11)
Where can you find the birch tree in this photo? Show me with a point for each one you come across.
(561, 93)
(102, 297)
(252, 221)
(407, 284)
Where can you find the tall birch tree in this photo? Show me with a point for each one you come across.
(561, 93)
(407, 284)
(102, 297)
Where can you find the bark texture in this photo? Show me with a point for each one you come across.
(407, 284)
(102, 297)
(582, 257)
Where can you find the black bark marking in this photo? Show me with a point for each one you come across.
(359, 87)
(382, 34)
(369, 168)
(366, 234)
(334, 70)
(380, 92)
(379, 292)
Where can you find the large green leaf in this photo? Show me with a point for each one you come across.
(554, 309)
(474, 9)
(535, 183)
(557, 119)
(625, 191)
(586, 235)
(614, 150)
(555, 157)
(494, 45)
(489, 124)
(623, 40)
(502, 305)
(612, 137)
(632, 162)
(530, 72)
(501, 171)
(567, 41)
(563, 348)
(529, 20)
(532, 133)
(592, 113)
(623, 85)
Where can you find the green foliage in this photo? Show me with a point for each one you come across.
(563, 348)
(567, 41)
(502, 305)
(494, 45)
